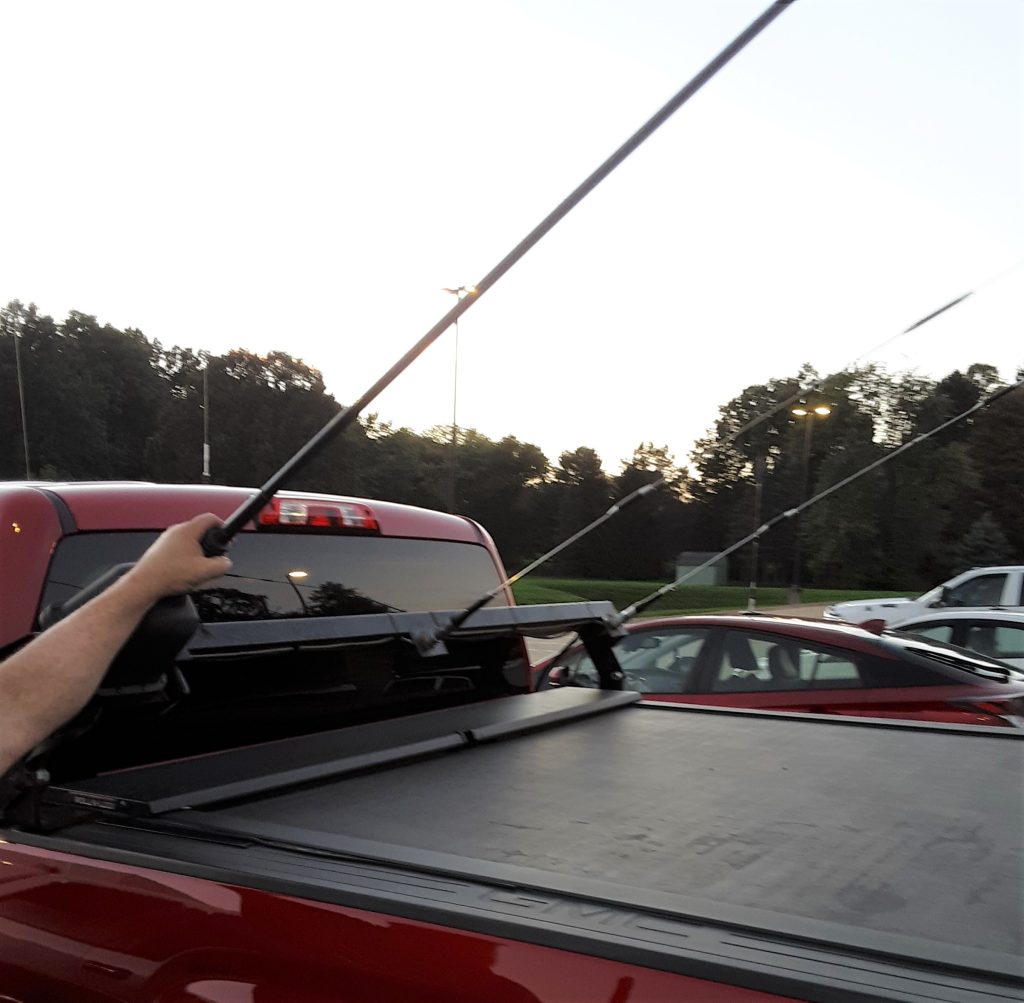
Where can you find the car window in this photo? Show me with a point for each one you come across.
(654, 661)
(985, 590)
(935, 631)
(996, 640)
(756, 663)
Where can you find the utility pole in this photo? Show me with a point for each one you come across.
(21, 398)
(13, 326)
(206, 420)
(807, 413)
(759, 469)
(460, 292)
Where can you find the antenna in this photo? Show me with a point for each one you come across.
(430, 642)
(218, 538)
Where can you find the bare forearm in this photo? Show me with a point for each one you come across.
(52, 678)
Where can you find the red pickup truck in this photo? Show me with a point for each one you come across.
(307, 803)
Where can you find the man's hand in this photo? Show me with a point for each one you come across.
(175, 563)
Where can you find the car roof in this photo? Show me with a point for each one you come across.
(97, 506)
(991, 613)
(825, 631)
(993, 567)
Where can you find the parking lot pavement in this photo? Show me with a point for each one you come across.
(809, 610)
(546, 647)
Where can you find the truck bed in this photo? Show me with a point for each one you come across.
(835, 859)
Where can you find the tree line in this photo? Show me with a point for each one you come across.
(102, 403)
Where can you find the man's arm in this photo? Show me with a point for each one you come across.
(52, 677)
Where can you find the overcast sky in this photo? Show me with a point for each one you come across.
(308, 176)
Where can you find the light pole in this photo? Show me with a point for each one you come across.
(460, 292)
(760, 463)
(16, 335)
(807, 413)
(206, 419)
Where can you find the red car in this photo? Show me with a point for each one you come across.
(778, 663)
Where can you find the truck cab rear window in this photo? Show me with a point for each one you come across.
(281, 575)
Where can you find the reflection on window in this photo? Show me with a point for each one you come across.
(934, 631)
(226, 605)
(277, 575)
(334, 599)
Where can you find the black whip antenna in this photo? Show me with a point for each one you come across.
(216, 540)
(431, 640)
(218, 537)
(641, 604)
(630, 611)
(802, 391)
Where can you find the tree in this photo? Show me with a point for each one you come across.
(262, 410)
(12, 453)
(998, 459)
(91, 395)
(399, 465)
(842, 533)
(578, 493)
(749, 434)
(641, 542)
(984, 544)
(496, 483)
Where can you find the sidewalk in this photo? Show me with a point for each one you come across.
(811, 610)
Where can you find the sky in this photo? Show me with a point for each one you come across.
(309, 177)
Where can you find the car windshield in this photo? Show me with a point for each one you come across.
(278, 575)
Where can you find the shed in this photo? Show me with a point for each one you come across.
(714, 574)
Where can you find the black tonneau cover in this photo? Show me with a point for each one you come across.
(830, 859)
(823, 858)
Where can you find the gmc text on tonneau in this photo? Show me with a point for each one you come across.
(308, 802)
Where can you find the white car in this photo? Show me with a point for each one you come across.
(977, 588)
(993, 632)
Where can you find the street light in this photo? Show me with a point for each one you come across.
(460, 292)
(808, 412)
(293, 578)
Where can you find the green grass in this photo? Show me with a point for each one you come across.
(683, 599)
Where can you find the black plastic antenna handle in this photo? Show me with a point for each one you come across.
(215, 541)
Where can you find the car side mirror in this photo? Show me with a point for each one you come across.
(944, 598)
